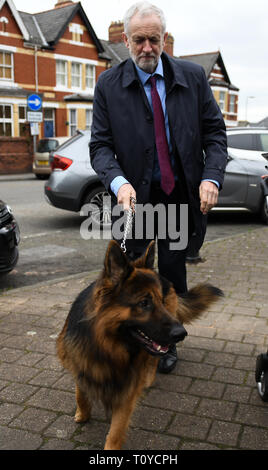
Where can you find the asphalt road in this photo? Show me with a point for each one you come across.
(51, 246)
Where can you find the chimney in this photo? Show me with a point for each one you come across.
(63, 3)
(116, 29)
(169, 45)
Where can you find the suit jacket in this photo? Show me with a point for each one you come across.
(122, 135)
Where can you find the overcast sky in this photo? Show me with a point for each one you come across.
(238, 28)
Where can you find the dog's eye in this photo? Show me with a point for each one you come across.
(145, 304)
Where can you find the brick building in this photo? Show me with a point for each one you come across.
(56, 54)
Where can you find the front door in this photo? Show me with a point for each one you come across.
(48, 122)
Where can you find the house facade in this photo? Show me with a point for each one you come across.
(57, 55)
(54, 54)
(225, 93)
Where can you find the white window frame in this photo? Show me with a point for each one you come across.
(222, 100)
(89, 116)
(74, 75)
(232, 104)
(4, 79)
(90, 76)
(60, 74)
(77, 33)
(7, 120)
(72, 122)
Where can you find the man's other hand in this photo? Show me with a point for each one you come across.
(208, 193)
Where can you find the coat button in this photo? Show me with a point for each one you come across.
(144, 182)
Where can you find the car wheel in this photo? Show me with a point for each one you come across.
(261, 375)
(263, 386)
(102, 215)
(264, 210)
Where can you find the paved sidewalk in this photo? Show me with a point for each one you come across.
(209, 402)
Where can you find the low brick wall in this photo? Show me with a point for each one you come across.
(16, 155)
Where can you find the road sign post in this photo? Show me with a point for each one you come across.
(34, 113)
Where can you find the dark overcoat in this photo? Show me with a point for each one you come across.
(122, 138)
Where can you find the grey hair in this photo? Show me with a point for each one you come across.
(143, 9)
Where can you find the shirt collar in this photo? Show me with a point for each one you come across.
(144, 76)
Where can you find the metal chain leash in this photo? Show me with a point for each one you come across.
(130, 216)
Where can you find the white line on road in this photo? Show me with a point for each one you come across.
(43, 234)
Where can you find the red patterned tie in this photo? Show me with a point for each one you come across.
(167, 176)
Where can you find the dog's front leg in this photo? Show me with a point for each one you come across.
(83, 410)
(119, 424)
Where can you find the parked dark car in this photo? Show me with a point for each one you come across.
(9, 239)
(73, 182)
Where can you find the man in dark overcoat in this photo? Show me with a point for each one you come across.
(132, 156)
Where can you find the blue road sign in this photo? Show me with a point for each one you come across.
(34, 102)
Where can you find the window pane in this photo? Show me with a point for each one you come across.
(48, 113)
(242, 141)
(23, 129)
(1, 72)
(73, 116)
(8, 59)
(76, 75)
(1, 111)
(7, 112)
(22, 112)
(8, 129)
(90, 76)
(264, 142)
(61, 72)
(8, 73)
(1, 58)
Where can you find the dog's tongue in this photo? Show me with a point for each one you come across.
(158, 347)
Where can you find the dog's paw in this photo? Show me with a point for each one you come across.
(81, 417)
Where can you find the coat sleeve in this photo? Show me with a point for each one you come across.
(101, 146)
(213, 135)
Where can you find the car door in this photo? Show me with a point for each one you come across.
(235, 186)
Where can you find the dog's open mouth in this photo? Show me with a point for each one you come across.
(149, 344)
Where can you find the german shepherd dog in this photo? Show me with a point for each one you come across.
(116, 331)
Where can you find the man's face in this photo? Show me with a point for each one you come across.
(145, 41)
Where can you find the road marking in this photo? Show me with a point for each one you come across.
(42, 234)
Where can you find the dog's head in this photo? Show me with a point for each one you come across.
(132, 302)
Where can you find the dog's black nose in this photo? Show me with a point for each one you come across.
(178, 333)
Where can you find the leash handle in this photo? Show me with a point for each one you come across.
(130, 216)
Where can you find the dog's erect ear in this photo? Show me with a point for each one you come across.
(147, 260)
(149, 255)
(116, 264)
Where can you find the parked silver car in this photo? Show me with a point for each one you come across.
(242, 187)
(248, 142)
(73, 181)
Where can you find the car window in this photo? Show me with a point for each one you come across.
(241, 141)
(264, 142)
(46, 145)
